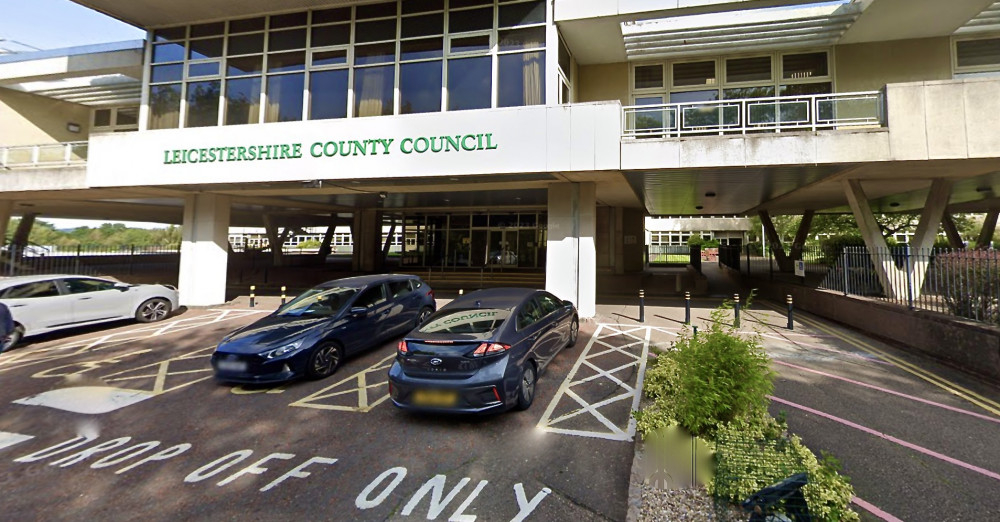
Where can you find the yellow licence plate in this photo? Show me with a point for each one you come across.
(435, 398)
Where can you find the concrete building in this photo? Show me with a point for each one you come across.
(543, 129)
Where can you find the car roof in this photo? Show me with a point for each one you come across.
(495, 298)
(359, 281)
(17, 280)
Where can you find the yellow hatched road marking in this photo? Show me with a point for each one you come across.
(364, 404)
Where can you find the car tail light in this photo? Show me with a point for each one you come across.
(430, 293)
(402, 348)
(490, 349)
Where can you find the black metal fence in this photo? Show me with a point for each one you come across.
(963, 283)
(87, 260)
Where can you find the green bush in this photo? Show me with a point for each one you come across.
(833, 246)
(699, 241)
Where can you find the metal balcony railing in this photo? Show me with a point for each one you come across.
(754, 115)
(46, 155)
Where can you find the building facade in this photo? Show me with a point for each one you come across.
(538, 133)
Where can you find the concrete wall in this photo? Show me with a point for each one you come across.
(603, 82)
(34, 120)
(972, 347)
(871, 66)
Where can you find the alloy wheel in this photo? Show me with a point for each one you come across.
(154, 310)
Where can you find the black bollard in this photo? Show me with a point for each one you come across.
(736, 309)
(695, 332)
(282, 296)
(788, 299)
(252, 288)
(687, 307)
(642, 306)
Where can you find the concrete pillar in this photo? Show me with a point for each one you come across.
(927, 228)
(6, 207)
(774, 242)
(801, 235)
(23, 231)
(204, 250)
(950, 230)
(872, 235)
(571, 258)
(989, 228)
(366, 232)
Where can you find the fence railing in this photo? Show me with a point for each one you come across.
(669, 254)
(750, 115)
(46, 155)
(962, 283)
(18, 260)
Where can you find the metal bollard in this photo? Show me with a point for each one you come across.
(282, 296)
(736, 309)
(687, 307)
(642, 306)
(695, 332)
(788, 299)
(252, 302)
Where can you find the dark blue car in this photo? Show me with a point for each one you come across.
(310, 335)
(482, 352)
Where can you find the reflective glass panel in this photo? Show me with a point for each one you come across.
(164, 106)
(286, 40)
(469, 83)
(375, 53)
(809, 65)
(521, 14)
(334, 57)
(202, 104)
(420, 87)
(211, 29)
(203, 69)
(421, 49)
(648, 77)
(170, 33)
(288, 20)
(517, 39)
(521, 79)
(170, 52)
(282, 62)
(422, 6)
(331, 35)
(470, 44)
(201, 49)
(978, 53)
(695, 73)
(102, 118)
(375, 31)
(246, 44)
(425, 25)
(167, 73)
(455, 4)
(243, 101)
(376, 10)
(246, 25)
(340, 14)
(328, 91)
(756, 69)
(373, 88)
(244, 65)
(127, 116)
(473, 20)
(766, 91)
(284, 97)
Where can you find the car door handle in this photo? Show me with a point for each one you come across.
(84, 298)
(15, 306)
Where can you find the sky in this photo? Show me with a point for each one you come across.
(52, 24)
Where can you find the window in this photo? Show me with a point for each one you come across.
(529, 315)
(416, 283)
(801, 66)
(328, 91)
(977, 55)
(399, 288)
(521, 79)
(420, 87)
(371, 297)
(469, 83)
(116, 119)
(756, 69)
(82, 286)
(243, 101)
(648, 77)
(30, 290)
(548, 304)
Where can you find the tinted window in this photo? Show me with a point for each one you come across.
(548, 304)
(371, 297)
(529, 314)
(474, 321)
(399, 288)
(416, 283)
(39, 289)
(80, 286)
(319, 301)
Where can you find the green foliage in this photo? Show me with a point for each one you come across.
(828, 493)
(833, 246)
(106, 235)
(309, 244)
(969, 285)
(699, 241)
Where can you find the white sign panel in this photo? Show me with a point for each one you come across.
(800, 268)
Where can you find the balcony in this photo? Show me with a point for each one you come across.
(755, 115)
(67, 154)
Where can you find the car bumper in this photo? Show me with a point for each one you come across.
(270, 372)
(473, 396)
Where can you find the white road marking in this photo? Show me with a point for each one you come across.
(605, 428)
(90, 400)
(357, 385)
(8, 439)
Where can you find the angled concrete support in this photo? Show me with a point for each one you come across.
(954, 237)
(23, 232)
(872, 235)
(927, 227)
(989, 228)
(275, 239)
(774, 242)
(6, 207)
(801, 235)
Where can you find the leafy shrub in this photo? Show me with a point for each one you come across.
(702, 242)
(967, 279)
(833, 246)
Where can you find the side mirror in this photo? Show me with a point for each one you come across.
(358, 311)
(122, 287)
(568, 303)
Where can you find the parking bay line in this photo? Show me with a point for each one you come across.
(364, 404)
(614, 430)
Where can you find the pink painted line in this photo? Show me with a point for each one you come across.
(874, 510)
(890, 438)
(891, 392)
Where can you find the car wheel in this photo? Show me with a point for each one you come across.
(574, 332)
(12, 339)
(323, 361)
(153, 310)
(422, 316)
(526, 391)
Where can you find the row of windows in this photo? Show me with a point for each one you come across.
(371, 60)
(975, 55)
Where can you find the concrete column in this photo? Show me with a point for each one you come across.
(204, 250)
(954, 237)
(571, 258)
(275, 239)
(366, 232)
(872, 235)
(801, 235)
(989, 228)
(6, 207)
(774, 242)
(23, 232)
(927, 228)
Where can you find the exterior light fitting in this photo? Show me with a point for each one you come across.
(73, 127)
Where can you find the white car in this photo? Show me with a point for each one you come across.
(44, 303)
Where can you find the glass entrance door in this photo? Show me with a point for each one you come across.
(502, 248)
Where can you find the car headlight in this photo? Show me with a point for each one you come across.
(284, 350)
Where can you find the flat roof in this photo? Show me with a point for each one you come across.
(110, 47)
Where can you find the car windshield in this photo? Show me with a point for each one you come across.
(467, 321)
(319, 301)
